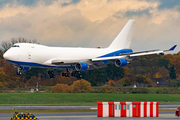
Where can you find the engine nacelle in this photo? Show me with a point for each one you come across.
(25, 68)
(121, 62)
(81, 66)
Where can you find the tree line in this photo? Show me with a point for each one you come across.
(141, 71)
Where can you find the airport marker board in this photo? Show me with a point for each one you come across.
(127, 109)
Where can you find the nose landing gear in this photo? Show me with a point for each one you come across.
(19, 73)
(19, 70)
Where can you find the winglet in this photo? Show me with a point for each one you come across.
(172, 48)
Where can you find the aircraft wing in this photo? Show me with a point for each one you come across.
(97, 63)
(134, 54)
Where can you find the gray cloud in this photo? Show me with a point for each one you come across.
(137, 13)
(71, 2)
(168, 4)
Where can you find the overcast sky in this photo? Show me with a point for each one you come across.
(91, 23)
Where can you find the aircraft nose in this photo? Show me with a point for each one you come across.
(6, 55)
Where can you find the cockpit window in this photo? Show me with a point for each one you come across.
(15, 46)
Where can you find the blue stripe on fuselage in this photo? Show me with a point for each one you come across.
(30, 64)
(116, 53)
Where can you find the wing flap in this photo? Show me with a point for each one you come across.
(57, 62)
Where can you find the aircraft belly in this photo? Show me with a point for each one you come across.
(31, 64)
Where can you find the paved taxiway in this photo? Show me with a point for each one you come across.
(48, 107)
(163, 115)
(167, 107)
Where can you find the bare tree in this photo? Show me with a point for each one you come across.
(5, 45)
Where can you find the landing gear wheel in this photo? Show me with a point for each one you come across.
(72, 74)
(19, 70)
(51, 74)
(77, 74)
(19, 73)
(68, 74)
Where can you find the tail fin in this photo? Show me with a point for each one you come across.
(123, 39)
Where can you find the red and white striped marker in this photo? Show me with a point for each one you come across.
(128, 109)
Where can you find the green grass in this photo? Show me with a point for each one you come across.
(81, 98)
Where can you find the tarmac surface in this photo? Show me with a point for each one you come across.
(161, 107)
(163, 115)
(47, 107)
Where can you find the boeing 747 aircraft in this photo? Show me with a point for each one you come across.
(26, 55)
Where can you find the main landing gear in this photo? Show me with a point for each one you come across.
(51, 74)
(74, 74)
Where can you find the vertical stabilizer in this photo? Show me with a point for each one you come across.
(123, 39)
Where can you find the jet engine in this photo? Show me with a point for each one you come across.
(81, 66)
(121, 62)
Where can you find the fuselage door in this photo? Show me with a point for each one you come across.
(29, 55)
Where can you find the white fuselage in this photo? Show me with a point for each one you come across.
(34, 55)
(27, 55)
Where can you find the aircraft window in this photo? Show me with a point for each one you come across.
(15, 46)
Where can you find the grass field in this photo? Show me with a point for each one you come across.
(8, 99)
